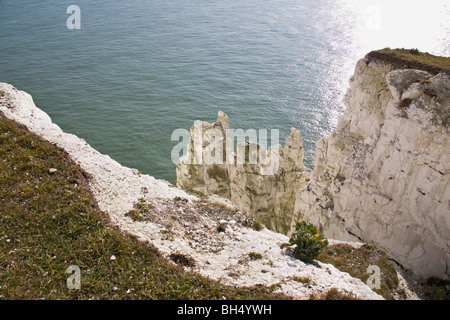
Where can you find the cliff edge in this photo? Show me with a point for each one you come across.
(386, 167)
(382, 177)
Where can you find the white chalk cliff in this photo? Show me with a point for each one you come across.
(264, 187)
(386, 167)
(382, 177)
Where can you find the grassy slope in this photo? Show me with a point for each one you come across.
(417, 56)
(355, 261)
(411, 59)
(50, 221)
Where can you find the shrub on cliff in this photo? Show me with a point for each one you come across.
(308, 241)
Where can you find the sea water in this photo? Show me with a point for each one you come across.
(124, 75)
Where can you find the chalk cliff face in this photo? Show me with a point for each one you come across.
(385, 170)
(381, 177)
(264, 187)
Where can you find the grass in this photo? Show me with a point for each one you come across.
(140, 211)
(255, 256)
(355, 261)
(304, 280)
(257, 226)
(418, 56)
(182, 259)
(334, 294)
(412, 58)
(437, 289)
(49, 222)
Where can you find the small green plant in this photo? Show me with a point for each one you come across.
(182, 259)
(134, 215)
(143, 207)
(255, 256)
(166, 235)
(333, 294)
(369, 248)
(308, 241)
(257, 226)
(141, 211)
(304, 280)
(437, 289)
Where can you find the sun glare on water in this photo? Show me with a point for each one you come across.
(424, 25)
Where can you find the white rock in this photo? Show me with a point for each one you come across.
(391, 192)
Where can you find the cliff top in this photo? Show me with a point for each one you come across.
(412, 59)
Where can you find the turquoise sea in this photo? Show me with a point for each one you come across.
(137, 70)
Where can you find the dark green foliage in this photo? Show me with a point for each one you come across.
(308, 241)
(182, 259)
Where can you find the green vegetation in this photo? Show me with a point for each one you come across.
(355, 261)
(413, 58)
(333, 294)
(304, 280)
(135, 215)
(307, 240)
(140, 211)
(417, 56)
(251, 256)
(182, 259)
(436, 289)
(257, 226)
(255, 256)
(49, 222)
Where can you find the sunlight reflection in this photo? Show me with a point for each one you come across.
(361, 26)
(424, 25)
